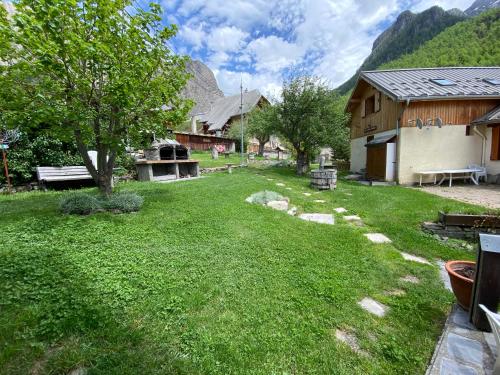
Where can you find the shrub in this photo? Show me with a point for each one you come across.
(79, 203)
(123, 202)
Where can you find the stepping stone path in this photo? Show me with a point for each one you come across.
(288, 188)
(373, 307)
(414, 258)
(280, 184)
(319, 201)
(318, 218)
(395, 292)
(377, 238)
(340, 210)
(307, 194)
(350, 340)
(278, 205)
(352, 218)
(410, 279)
(270, 179)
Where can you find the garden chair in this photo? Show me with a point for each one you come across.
(494, 320)
(480, 174)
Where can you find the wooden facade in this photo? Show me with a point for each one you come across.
(384, 117)
(203, 142)
(387, 111)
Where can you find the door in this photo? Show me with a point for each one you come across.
(376, 161)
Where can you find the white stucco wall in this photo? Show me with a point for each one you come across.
(358, 150)
(434, 148)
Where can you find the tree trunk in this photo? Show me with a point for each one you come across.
(261, 148)
(106, 183)
(302, 162)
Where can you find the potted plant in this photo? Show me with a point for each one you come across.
(461, 273)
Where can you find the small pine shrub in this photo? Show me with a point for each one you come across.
(123, 202)
(79, 203)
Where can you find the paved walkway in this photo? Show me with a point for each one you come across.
(483, 195)
(462, 350)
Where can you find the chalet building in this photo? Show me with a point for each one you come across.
(411, 120)
(226, 111)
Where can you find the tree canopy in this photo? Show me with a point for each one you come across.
(262, 124)
(309, 116)
(99, 72)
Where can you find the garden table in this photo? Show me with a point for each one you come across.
(466, 172)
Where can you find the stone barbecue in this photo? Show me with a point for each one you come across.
(165, 160)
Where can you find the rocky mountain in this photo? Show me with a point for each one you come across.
(480, 6)
(202, 88)
(405, 35)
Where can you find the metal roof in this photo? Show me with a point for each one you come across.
(381, 140)
(225, 108)
(492, 117)
(416, 84)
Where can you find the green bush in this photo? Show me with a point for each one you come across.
(85, 204)
(264, 197)
(79, 203)
(123, 202)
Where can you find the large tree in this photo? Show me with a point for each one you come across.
(98, 71)
(308, 117)
(261, 125)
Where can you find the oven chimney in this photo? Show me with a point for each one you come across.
(193, 125)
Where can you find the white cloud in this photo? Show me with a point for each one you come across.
(273, 53)
(226, 39)
(263, 38)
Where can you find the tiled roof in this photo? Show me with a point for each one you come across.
(225, 108)
(417, 84)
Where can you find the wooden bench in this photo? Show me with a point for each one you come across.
(55, 174)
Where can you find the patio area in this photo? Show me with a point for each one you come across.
(484, 195)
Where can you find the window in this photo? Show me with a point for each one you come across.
(370, 138)
(467, 131)
(370, 105)
(443, 82)
(492, 81)
(495, 143)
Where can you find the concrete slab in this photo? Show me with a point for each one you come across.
(373, 307)
(318, 218)
(377, 238)
(307, 194)
(414, 258)
(340, 210)
(395, 293)
(350, 340)
(319, 201)
(280, 184)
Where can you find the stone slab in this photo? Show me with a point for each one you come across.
(307, 194)
(319, 201)
(318, 218)
(449, 367)
(460, 317)
(340, 210)
(278, 205)
(414, 258)
(280, 184)
(292, 211)
(410, 279)
(352, 218)
(373, 307)
(464, 349)
(377, 238)
(443, 274)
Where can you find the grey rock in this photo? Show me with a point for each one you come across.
(464, 349)
(449, 367)
(373, 307)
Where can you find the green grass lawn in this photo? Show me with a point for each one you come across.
(201, 282)
(206, 160)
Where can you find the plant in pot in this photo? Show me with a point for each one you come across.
(461, 273)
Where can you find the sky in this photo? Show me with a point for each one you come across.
(261, 41)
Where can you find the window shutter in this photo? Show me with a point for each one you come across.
(363, 108)
(495, 143)
(377, 101)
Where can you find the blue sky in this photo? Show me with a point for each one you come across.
(261, 40)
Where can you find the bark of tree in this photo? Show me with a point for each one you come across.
(302, 162)
(261, 148)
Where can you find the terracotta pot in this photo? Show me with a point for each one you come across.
(461, 285)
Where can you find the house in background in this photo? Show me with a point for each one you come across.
(411, 120)
(226, 111)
